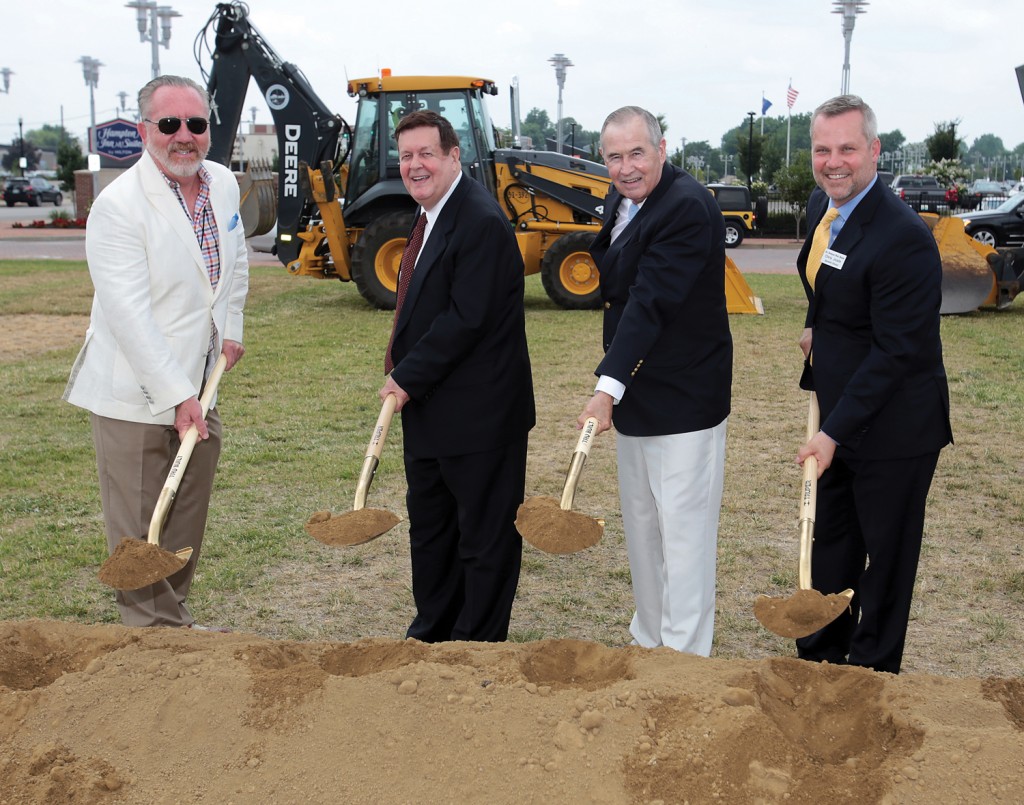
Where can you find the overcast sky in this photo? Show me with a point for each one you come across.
(703, 65)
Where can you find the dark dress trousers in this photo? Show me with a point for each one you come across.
(881, 386)
(460, 353)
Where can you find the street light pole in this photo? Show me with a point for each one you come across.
(22, 163)
(560, 62)
(750, 150)
(6, 73)
(849, 9)
(91, 73)
(159, 26)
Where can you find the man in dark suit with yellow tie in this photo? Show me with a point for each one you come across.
(459, 366)
(874, 359)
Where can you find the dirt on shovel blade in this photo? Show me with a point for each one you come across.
(548, 527)
(350, 528)
(801, 614)
(137, 563)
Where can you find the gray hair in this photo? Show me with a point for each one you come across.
(147, 92)
(848, 103)
(627, 113)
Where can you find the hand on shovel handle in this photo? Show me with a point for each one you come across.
(188, 444)
(808, 498)
(579, 458)
(373, 451)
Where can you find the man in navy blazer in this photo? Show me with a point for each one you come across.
(464, 386)
(665, 380)
(874, 359)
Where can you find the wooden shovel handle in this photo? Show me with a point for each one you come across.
(188, 444)
(808, 498)
(373, 451)
(579, 458)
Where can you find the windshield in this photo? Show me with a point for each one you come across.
(1010, 204)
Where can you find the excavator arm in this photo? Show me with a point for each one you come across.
(308, 133)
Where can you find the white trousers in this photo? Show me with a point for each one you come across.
(671, 495)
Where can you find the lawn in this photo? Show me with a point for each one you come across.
(298, 412)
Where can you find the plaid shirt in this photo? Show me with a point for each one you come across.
(205, 226)
(203, 223)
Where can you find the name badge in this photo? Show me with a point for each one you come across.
(833, 259)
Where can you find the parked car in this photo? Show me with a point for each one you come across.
(734, 202)
(1003, 226)
(31, 191)
(923, 193)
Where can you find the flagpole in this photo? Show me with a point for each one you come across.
(789, 117)
(762, 113)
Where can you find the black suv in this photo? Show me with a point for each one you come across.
(734, 202)
(31, 191)
(1003, 226)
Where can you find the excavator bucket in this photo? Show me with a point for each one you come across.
(967, 280)
(739, 298)
(258, 189)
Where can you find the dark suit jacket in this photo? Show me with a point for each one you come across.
(460, 342)
(877, 357)
(666, 328)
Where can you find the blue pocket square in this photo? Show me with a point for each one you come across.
(234, 222)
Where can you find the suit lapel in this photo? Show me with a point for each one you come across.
(851, 233)
(169, 208)
(433, 248)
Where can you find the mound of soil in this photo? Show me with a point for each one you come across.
(106, 714)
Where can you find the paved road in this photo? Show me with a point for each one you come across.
(752, 256)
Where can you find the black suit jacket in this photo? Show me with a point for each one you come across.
(460, 340)
(666, 328)
(877, 357)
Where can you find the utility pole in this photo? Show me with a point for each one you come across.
(6, 73)
(23, 162)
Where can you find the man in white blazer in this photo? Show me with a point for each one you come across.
(167, 256)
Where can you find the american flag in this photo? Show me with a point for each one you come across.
(791, 96)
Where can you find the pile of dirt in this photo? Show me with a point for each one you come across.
(106, 714)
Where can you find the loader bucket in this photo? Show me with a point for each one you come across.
(258, 205)
(739, 298)
(967, 280)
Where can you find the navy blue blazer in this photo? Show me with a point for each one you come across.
(877, 356)
(666, 327)
(460, 343)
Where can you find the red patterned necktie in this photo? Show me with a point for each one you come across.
(412, 250)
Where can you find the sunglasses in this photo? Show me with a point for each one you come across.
(170, 125)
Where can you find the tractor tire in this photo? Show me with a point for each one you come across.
(733, 233)
(569, 274)
(377, 256)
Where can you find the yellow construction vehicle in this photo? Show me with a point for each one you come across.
(342, 210)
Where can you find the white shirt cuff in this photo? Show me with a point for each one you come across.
(611, 386)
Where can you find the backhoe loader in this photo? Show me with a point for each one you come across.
(341, 208)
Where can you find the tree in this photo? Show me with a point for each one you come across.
(19, 147)
(745, 146)
(49, 136)
(538, 127)
(69, 159)
(795, 184)
(892, 141)
(988, 146)
(944, 144)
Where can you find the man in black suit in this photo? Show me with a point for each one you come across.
(461, 373)
(875, 361)
(665, 379)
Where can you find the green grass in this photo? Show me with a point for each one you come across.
(298, 412)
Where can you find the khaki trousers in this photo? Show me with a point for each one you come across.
(133, 460)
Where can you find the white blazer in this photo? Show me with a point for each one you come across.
(146, 347)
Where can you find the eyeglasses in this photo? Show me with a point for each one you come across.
(170, 125)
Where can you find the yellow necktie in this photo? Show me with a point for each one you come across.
(819, 244)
